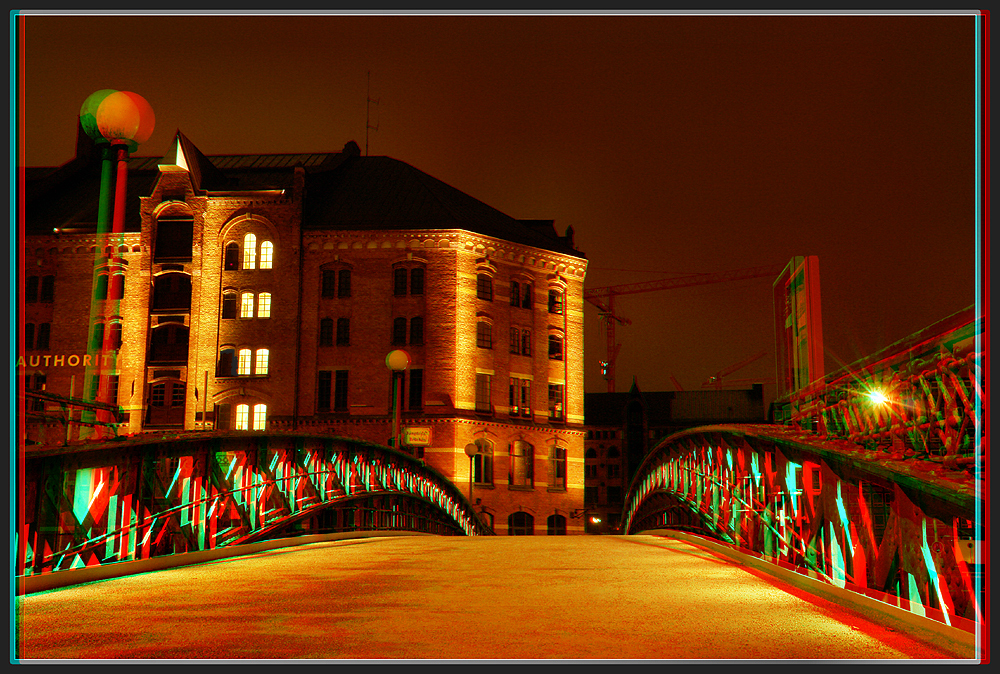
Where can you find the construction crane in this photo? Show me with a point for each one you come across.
(604, 299)
(716, 379)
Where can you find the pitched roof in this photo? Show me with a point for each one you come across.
(344, 191)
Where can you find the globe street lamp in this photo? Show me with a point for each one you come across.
(397, 361)
(117, 121)
(472, 450)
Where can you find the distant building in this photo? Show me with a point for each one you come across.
(623, 427)
(262, 293)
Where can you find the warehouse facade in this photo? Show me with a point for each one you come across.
(262, 294)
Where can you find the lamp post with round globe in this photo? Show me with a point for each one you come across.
(397, 361)
(117, 121)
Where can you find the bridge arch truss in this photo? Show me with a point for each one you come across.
(899, 532)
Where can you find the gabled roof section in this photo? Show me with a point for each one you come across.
(384, 193)
(185, 156)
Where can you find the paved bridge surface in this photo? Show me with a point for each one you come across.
(457, 597)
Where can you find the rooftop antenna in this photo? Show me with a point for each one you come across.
(368, 109)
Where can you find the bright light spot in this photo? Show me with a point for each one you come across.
(595, 520)
(877, 397)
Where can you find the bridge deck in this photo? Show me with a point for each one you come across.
(456, 597)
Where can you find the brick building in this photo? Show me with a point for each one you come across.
(263, 293)
(623, 427)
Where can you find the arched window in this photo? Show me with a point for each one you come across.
(232, 259)
(522, 458)
(249, 251)
(264, 304)
(417, 281)
(230, 305)
(42, 340)
(398, 331)
(591, 453)
(557, 468)
(259, 417)
(399, 281)
(97, 337)
(246, 306)
(242, 417)
(245, 361)
(48, 288)
(484, 287)
(555, 525)
(482, 464)
(484, 335)
(227, 363)
(555, 347)
(266, 255)
(260, 366)
(101, 291)
(326, 332)
(520, 524)
(416, 330)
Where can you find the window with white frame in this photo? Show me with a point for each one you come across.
(259, 417)
(243, 417)
(266, 255)
(260, 366)
(246, 305)
(249, 251)
(264, 305)
(245, 361)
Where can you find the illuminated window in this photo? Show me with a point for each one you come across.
(484, 287)
(266, 255)
(264, 304)
(482, 464)
(245, 358)
(242, 417)
(249, 251)
(484, 335)
(260, 367)
(522, 459)
(246, 308)
(259, 417)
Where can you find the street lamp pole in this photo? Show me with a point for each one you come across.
(397, 361)
(472, 450)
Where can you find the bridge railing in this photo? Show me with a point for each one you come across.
(130, 500)
(919, 399)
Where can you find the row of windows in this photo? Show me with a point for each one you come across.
(343, 335)
(520, 294)
(520, 397)
(521, 464)
(613, 470)
(233, 261)
(336, 283)
(36, 339)
(48, 289)
(520, 341)
(242, 306)
(523, 524)
(416, 276)
(331, 390)
(116, 291)
(243, 363)
(600, 435)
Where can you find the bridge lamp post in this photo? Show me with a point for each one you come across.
(397, 361)
(472, 450)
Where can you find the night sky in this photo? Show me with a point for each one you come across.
(671, 144)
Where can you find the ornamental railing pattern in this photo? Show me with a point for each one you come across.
(823, 509)
(131, 500)
(918, 399)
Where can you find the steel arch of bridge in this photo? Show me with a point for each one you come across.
(121, 501)
(898, 532)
